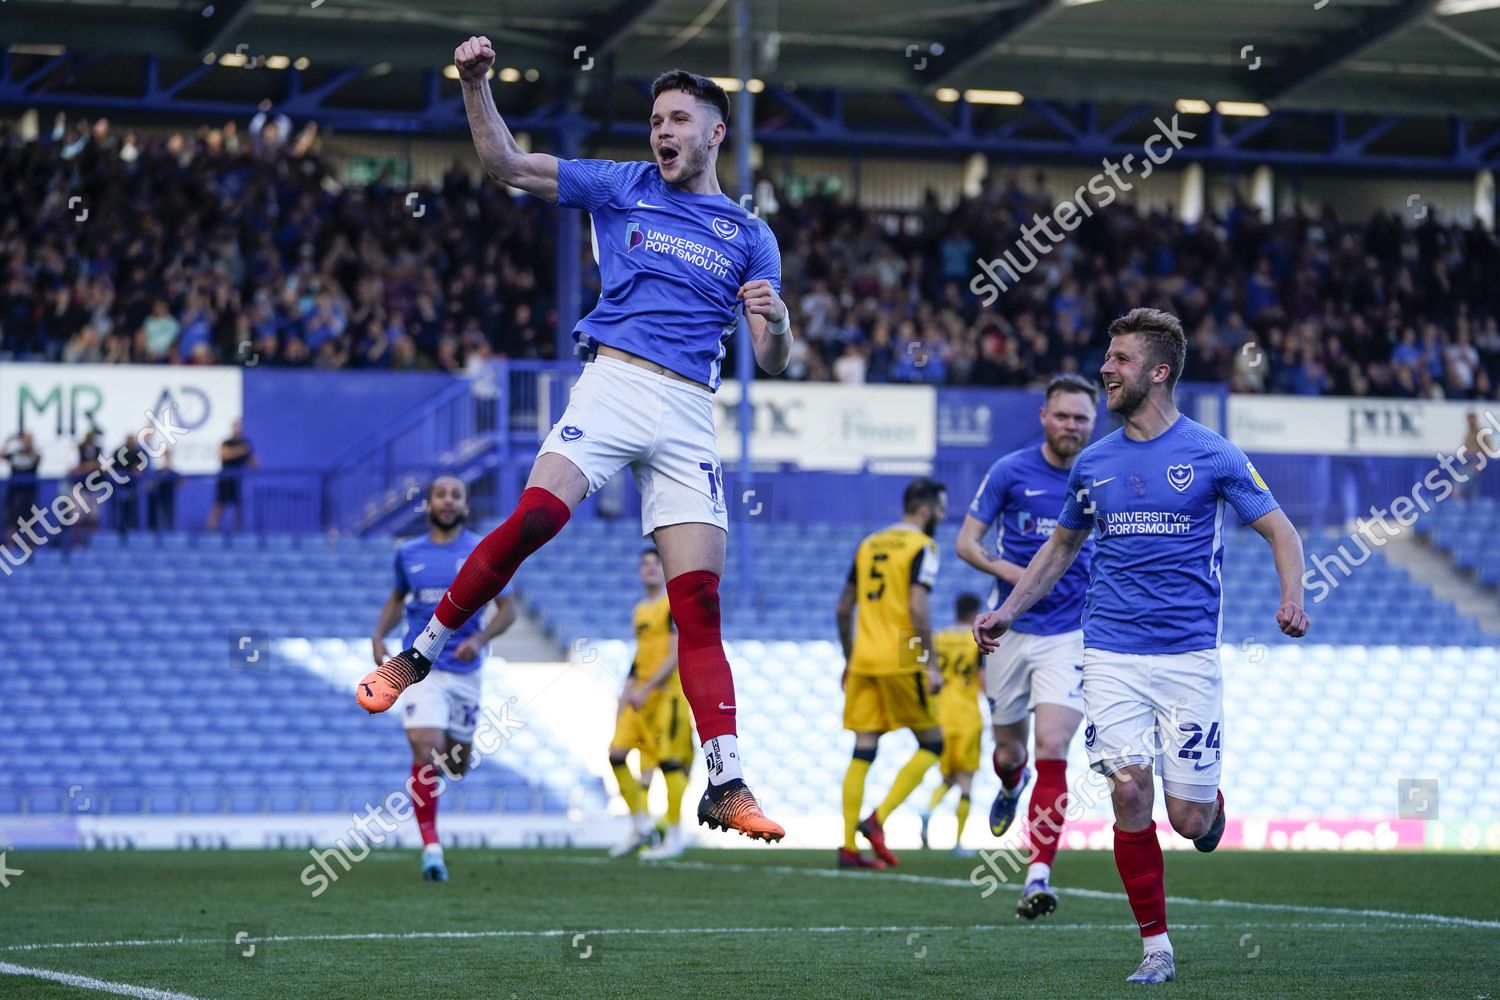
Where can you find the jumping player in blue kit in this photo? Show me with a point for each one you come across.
(1153, 493)
(1036, 668)
(678, 261)
(441, 715)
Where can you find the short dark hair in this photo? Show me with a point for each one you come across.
(1165, 342)
(700, 87)
(1072, 383)
(920, 491)
(967, 606)
(433, 485)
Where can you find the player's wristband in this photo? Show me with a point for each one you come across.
(780, 327)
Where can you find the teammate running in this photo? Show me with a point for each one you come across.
(655, 720)
(677, 260)
(890, 668)
(1155, 492)
(1037, 668)
(958, 713)
(440, 716)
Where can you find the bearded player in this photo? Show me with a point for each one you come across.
(1154, 491)
(890, 672)
(441, 715)
(677, 261)
(1037, 668)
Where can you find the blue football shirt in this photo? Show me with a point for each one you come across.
(424, 571)
(670, 264)
(1024, 492)
(1157, 511)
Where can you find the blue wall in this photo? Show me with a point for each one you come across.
(305, 419)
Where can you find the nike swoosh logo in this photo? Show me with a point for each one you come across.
(1034, 493)
(1101, 482)
(642, 204)
(1204, 767)
(725, 708)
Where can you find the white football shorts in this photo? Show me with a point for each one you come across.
(1028, 670)
(443, 700)
(1163, 709)
(662, 427)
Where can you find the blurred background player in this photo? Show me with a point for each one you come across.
(890, 670)
(655, 341)
(1152, 681)
(654, 719)
(958, 713)
(440, 715)
(1037, 667)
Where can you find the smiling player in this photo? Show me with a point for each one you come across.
(1154, 491)
(677, 260)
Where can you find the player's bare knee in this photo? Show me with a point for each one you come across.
(1010, 755)
(1051, 748)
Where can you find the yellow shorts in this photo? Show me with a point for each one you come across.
(635, 729)
(960, 749)
(879, 704)
(673, 726)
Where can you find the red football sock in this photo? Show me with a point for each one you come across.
(706, 678)
(1138, 858)
(537, 519)
(424, 796)
(1009, 778)
(1049, 801)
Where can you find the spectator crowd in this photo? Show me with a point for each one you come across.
(225, 246)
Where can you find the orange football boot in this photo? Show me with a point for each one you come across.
(732, 806)
(380, 688)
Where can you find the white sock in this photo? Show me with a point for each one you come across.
(432, 639)
(722, 754)
(433, 851)
(1038, 870)
(1156, 942)
(641, 821)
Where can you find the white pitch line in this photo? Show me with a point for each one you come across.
(1332, 911)
(88, 983)
(602, 932)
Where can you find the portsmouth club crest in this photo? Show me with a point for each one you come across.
(1180, 476)
(724, 229)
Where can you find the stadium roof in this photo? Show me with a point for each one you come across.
(1419, 57)
(1410, 83)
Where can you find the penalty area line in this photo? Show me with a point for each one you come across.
(89, 983)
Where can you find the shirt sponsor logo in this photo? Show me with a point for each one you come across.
(633, 236)
(697, 254)
(1180, 477)
(1031, 524)
(1144, 522)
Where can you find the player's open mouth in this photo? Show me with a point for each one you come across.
(666, 155)
(1112, 386)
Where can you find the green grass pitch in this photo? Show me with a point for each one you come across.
(744, 923)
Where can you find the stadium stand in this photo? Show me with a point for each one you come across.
(1467, 532)
(265, 247)
(253, 760)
